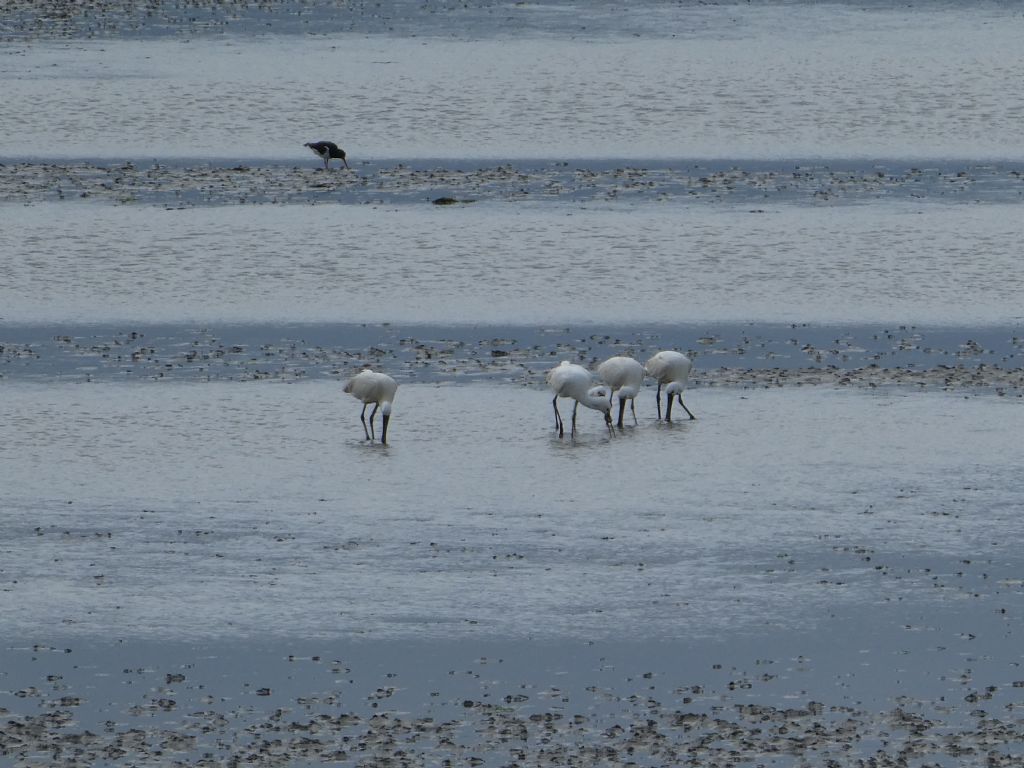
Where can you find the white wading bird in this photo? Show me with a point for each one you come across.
(327, 150)
(671, 369)
(376, 388)
(571, 380)
(625, 376)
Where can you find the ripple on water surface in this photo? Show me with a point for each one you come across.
(232, 509)
(495, 264)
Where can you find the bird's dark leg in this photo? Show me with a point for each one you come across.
(558, 416)
(657, 398)
(684, 406)
(372, 415)
(575, 405)
(327, 163)
(668, 409)
(622, 410)
(632, 407)
(362, 418)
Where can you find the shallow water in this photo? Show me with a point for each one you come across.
(498, 264)
(788, 80)
(232, 510)
(212, 566)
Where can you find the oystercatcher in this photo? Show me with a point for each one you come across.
(326, 150)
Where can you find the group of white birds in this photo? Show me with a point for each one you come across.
(621, 375)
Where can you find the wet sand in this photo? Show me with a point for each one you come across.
(180, 183)
(916, 690)
(493, 704)
(746, 356)
(51, 19)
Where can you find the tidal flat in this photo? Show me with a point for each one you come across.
(208, 573)
(205, 563)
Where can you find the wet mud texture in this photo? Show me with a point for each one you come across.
(477, 716)
(27, 20)
(57, 19)
(753, 356)
(182, 184)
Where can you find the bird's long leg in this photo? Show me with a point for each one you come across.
(668, 409)
(327, 162)
(684, 406)
(362, 418)
(372, 414)
(622, 410)
(558, 416)
(575, 405)
(658, 399)
(632, 407)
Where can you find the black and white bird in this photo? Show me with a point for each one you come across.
(326, 150)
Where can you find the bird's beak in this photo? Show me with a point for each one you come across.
(384, 429)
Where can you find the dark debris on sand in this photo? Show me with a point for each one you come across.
(173, 720)
(737, 357)
(179, 185)
(28, 20)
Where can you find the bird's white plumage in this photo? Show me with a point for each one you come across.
(570, 380)
(625, 376)
(669, 366)
(377, 388)
(574, 381)
(372, 387)
(671, 370)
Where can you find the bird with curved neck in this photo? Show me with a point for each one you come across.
(625, 376)
(326, 150)
(570, 380)
(379, 389)
(671, 370)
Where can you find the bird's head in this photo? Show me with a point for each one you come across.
(601, 400)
